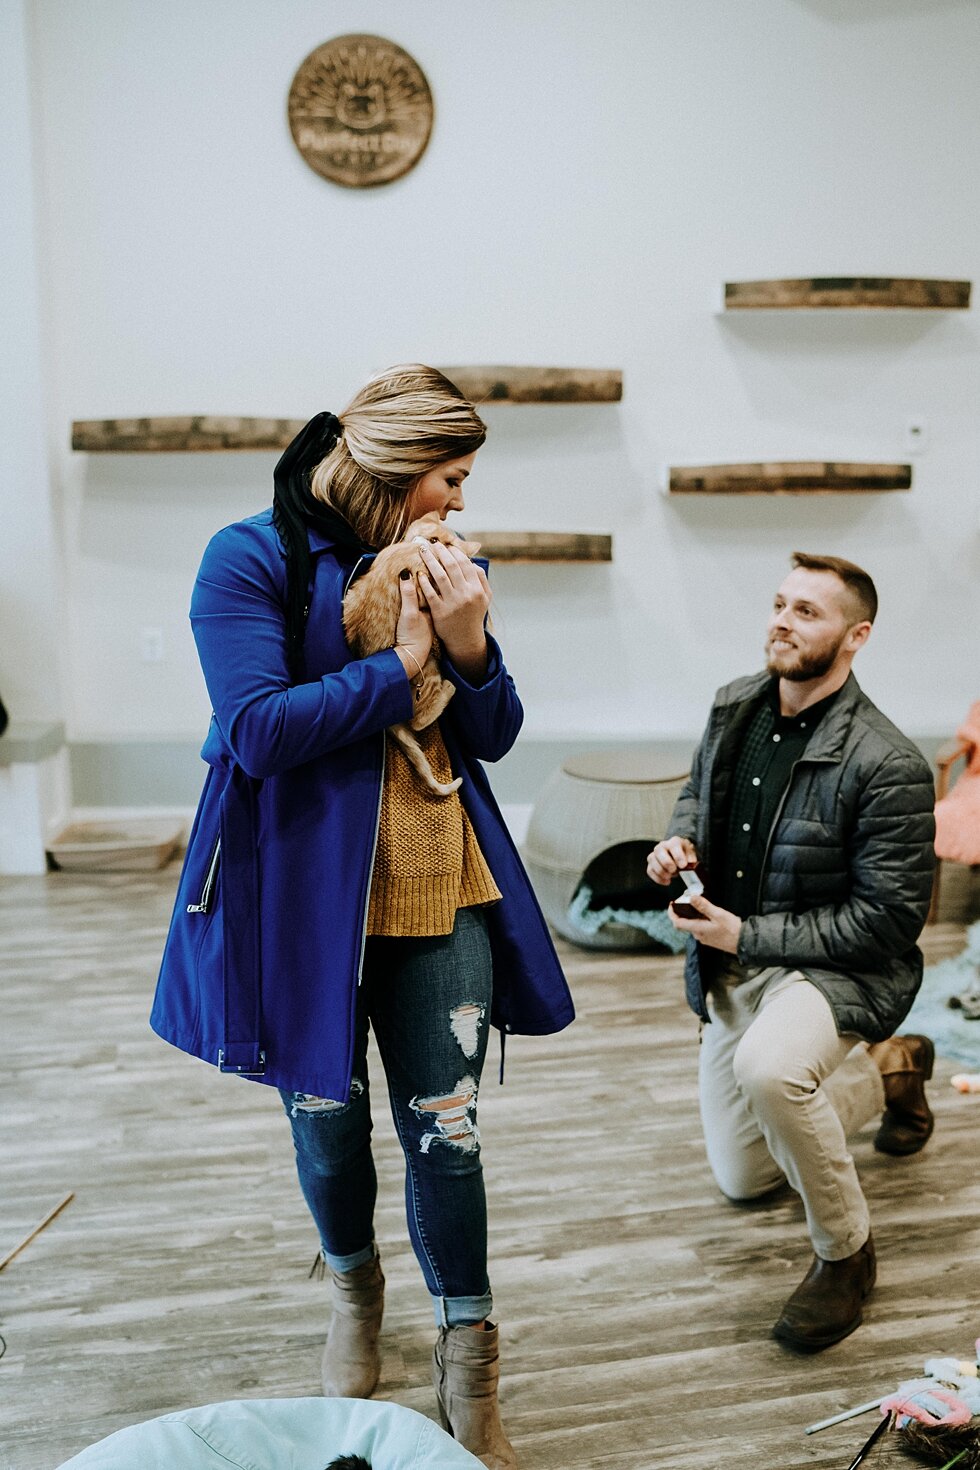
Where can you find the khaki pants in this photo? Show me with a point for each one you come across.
(780, 1092)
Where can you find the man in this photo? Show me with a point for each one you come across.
(811, 818)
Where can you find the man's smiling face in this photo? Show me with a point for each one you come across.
(810, 625)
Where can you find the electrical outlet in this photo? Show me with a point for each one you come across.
(916, 436)
(151, 645)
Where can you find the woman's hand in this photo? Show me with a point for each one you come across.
(413, 633)
(458, 596)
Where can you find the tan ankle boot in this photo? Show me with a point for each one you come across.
(351, 1361)
(465, 1369)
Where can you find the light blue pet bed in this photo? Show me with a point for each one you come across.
(279, 1434)
(955, 1035)
(585, 923)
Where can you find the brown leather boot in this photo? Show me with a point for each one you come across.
(905, 1064)
(826, 1305)
(351, 1361)
(465, 1370)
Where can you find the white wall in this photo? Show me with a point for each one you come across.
(31, 620)
(594, 173)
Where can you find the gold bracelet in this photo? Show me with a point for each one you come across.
(417, 687)
(405, 648)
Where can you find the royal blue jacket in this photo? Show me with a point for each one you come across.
(264, 953)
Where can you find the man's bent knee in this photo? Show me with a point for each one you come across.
(744, 1177)
(765, 1083)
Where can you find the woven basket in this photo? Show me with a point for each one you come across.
(594, 803)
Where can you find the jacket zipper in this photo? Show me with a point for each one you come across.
(210, 878)
(353, 574)
(374, 854)
(377, 817)
(802, 760)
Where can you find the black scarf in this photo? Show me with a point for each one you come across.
(294, 509)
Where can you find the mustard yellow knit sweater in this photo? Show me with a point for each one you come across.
(428, 862)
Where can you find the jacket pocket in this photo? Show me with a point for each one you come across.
(206, 898)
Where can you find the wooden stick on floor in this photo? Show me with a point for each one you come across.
(839, 1418)
(37, 1230)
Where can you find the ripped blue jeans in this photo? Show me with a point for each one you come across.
(428, 1003)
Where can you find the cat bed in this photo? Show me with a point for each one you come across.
(113, 847)
(592, 826)
(279, 1434)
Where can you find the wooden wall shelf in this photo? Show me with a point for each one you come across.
(813, 477)
(542, 546)
(847, 292)
(186, 433)
(211, 433)
(537, 384)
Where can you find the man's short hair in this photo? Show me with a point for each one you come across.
(863, 595)
(349, 1462)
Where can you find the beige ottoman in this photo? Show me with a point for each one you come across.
(595, 821)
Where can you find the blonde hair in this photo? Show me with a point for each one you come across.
(399, 426)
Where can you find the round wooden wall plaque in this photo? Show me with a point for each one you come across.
(360, 111)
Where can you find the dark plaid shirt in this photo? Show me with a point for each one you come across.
(772, 745)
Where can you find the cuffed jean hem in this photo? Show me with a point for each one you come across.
(461, 1311)
(341, 1264)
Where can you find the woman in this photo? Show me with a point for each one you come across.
(324, 890)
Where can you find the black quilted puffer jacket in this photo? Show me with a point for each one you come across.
(848, 869)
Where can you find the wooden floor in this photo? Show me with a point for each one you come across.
(635, 1304)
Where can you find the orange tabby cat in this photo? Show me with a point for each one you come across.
(371, 612)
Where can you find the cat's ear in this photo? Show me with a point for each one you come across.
(426, 526)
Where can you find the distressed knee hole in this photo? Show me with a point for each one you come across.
(305, 1102)
(451, 1117)
(464, 1022)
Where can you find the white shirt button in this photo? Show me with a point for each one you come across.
(755, 780)
(803, 724)
(777, 738)
(746, 827)
(740, 874)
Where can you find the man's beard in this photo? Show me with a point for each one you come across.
(807, 666)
